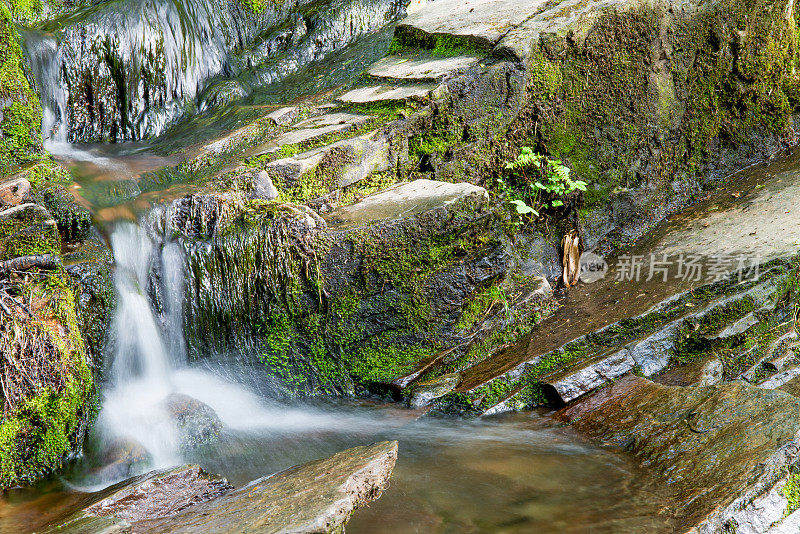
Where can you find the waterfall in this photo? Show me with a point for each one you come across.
(144, 363)
(126, 70)
(150, 363)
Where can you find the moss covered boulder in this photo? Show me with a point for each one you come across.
(644, 99)
(365, 297)
(55, 289)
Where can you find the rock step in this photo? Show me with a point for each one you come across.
(388, 93)
(321, 171)
(421, 69)
(776, 359)
(483, 23)
(313, 128)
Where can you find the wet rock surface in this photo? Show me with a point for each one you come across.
(724, 450)
(317, 497)
(119, 71)
(393, 271)
(197, 423)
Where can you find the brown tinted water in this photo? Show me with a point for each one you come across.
(518, 473)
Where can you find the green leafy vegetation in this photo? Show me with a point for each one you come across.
(541, 183)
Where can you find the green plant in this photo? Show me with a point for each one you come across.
(791, 490)
(545, 182)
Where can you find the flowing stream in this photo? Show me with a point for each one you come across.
(518, 473)
(515, 473)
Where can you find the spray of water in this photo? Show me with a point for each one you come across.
(150, 363)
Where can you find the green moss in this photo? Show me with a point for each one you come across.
(410, 40)
(791, 490)
(39, 431)
(21, 113)
(258, 6)
(28, 234)
(544, 77)
(435, 141)
(382, 359)
(481, 305)
(370, 185)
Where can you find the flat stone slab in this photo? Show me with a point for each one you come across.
(316, 497)
(381, 93)
(481, 20)
(148, 496)
(763, 224)
(411, 68)
(313, 128)
(364, 155)
(405, 200)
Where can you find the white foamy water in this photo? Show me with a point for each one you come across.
(150, 363)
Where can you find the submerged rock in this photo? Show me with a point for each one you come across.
(198, 424)
(121, 459)
(317, 497)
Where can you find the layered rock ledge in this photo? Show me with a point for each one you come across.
(317, 497)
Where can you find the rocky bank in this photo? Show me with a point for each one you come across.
(357, 239)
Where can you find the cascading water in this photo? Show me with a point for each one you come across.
(150, 365)
(142, 365)
(127, 69)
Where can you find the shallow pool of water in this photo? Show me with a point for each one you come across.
(518, 473)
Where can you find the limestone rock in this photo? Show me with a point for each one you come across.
(484, 21)
(406, 200)
(424, 392)
(333, 166)
(317, 497)
(314, 128)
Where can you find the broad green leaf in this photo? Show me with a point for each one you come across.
(522, 208)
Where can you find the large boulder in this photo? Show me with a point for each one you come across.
(645, 100)
(361, 297)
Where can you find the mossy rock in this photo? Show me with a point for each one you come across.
(52, 403)
(20, 111)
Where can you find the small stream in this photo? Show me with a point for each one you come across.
(515, 473)
(518, 473)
